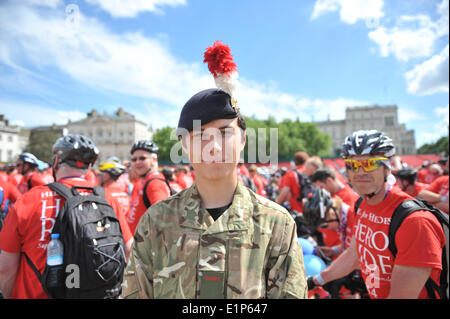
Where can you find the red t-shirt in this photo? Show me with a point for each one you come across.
(10, 192)
(418, 186)
(348, 195)
(156, 190)
(425, 176)
(15, 178)
(184, 180)
(32, 179)
(290, 179)
(439, 186)
(28, 227)
(175, 186)
(419, 242)
(47, 177)
(259, 183)
(122, 200)
(3, 177)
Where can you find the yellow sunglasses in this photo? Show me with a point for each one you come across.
(368, 165)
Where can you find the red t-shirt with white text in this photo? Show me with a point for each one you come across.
(419, 242)
(28, 227)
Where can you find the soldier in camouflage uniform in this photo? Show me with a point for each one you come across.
(217, 238)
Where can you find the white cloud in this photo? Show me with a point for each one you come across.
(430, 76)
(350, 11)
(442, 23)
(264, 101)
(89, 53)
(442, 125)
(30, 115)
(406, 115)
(131, 8)
(404, 43)
(439, 129)
(44, 3)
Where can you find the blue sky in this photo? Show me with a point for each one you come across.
(309, 59)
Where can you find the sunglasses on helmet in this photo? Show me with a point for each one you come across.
(368, 165)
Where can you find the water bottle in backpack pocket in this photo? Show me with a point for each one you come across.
(55, 264)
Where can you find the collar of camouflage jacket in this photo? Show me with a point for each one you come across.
(235, 218)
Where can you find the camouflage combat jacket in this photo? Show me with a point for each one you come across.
(250, 251)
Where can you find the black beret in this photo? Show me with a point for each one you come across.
(206, 106)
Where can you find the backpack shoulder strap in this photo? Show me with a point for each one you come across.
(61, 189)
(144, 192)
(65, 192)
(400, 213)
(99, 191)
(37, 273)
(29, 183)
(357, 204)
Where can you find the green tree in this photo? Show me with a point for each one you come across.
(40, 144)
(165, 144)
(293, 136)
(439, 147)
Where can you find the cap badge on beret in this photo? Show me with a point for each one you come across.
(221, 65)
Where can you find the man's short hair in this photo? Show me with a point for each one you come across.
(300, 158)
(316, 161)
(322, 174)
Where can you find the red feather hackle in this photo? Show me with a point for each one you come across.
(219, 59)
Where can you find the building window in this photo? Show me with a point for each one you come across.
(389, 121)
(10, 138)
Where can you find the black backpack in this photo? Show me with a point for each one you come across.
(400, 213)
(93, 243)
(144, 192)
(306, 186)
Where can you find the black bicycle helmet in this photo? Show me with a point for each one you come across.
(145, 145)
(115, 169)
(368, 143)
(408, 173)
(76, 150)
(316, 207)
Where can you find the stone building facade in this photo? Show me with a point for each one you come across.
(112, 134)
(382, 118)
(12, 141)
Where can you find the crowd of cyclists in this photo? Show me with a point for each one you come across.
(303, 186)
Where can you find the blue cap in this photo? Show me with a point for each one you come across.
(55, 236)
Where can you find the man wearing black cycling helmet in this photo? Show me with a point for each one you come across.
(151, 186)
(29, 224)
(407, 181)
(403, 275)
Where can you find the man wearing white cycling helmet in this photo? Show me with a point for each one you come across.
(27, 165)
(419, 240)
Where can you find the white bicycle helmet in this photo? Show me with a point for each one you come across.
(368, 143)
